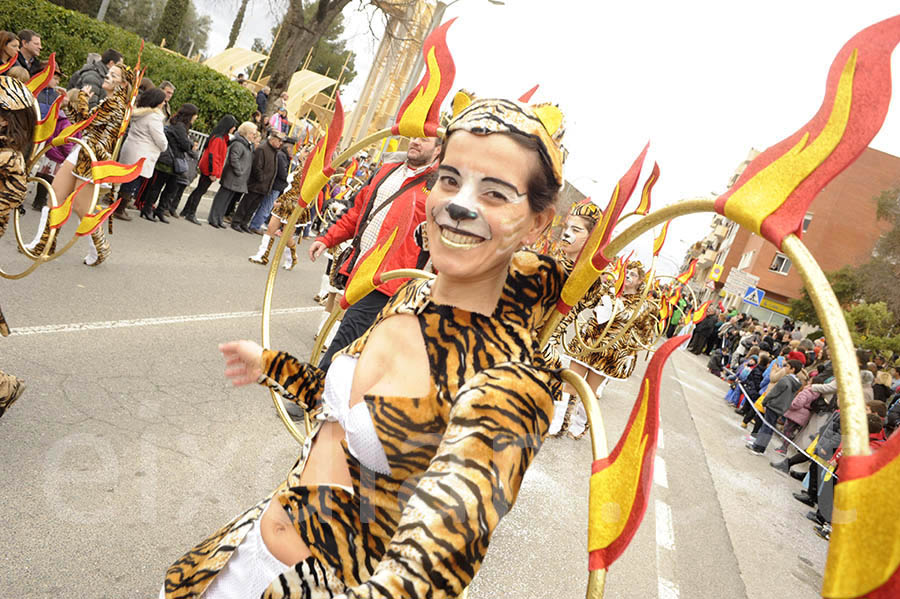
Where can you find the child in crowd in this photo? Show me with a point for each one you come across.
(777, 402)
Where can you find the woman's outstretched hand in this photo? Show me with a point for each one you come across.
(243, 361)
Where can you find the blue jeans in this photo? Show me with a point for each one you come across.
(765, 433)
(261, 216)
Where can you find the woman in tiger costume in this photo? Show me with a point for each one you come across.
(583, 216)
(426, 424)
(101, 135)
(17, 122)
(632, 328)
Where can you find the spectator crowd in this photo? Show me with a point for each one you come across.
(783, 386)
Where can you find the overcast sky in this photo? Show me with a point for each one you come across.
(703, 81)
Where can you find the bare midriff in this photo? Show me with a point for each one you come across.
(381, 370)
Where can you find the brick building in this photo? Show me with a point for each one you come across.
(840, 229)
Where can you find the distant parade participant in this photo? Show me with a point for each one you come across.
(633, 325)
(101, 136)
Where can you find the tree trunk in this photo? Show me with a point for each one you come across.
(171, 22)
(236, 25)
(297, 36)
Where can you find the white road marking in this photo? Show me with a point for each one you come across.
(659, 472)
(667, 589)
(148, 322)
(665, 533)
(660, 444)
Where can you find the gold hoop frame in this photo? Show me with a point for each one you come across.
(94, 197)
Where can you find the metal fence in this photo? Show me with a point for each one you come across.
(198, 137)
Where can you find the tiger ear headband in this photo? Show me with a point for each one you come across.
(541, 122)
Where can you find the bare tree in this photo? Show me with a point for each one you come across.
(302, 27)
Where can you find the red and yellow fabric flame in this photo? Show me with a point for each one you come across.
(684, 277)
(675, 297)
(72, 130)
(351, 170)
(45, 127)
(91, 222)
(60, 214)
(619, 268)
(664, 313)
(774, 192)
(42, 79)
(864, 553)
(9, 64)
(591, 261)
(110, 171)
(420, 113)
(620, 483)
(366, 275)
(644, 207)
(318, 170)
(660, 239)
(526, 97)
(700, 313)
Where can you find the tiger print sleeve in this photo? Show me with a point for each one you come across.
(81, 109)
(497, 424)
(299, 382)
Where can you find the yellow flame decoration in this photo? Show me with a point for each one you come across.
(766, 191)
(362, 283)
(412, 123)
(613, 489)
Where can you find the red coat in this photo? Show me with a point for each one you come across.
(348, 226)
(213, 159)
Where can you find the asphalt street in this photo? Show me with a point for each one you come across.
(129, 446)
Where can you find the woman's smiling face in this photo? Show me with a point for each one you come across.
(478, 213)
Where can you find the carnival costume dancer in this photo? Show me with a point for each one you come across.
(17, 122)
(101, 136)
(632, 328)
(583, 216)
(426, 424)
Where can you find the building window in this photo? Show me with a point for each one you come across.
(780, 264)
(806, 220)
(746, 259)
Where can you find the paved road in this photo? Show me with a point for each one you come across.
(129, 446)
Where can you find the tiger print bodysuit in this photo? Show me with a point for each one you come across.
(617, 359)
(103, 132)
(457, 455)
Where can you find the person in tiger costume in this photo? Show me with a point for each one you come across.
(425, 425)
(101, 135)
(582, 218)
(603, 337)
(17, 121)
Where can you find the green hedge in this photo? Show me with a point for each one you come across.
(73, 35)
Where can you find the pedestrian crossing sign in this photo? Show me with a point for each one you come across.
(715, 272)
(753, 296)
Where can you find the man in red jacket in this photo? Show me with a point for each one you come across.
(378, 206)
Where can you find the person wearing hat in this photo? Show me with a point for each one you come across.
(262, 177)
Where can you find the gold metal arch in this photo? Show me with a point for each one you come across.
(94, 197)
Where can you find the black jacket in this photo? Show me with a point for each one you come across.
(753, 382)
(283, 161)
(179, 144)
(261, 101)
(33, 69)
(262, 173)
